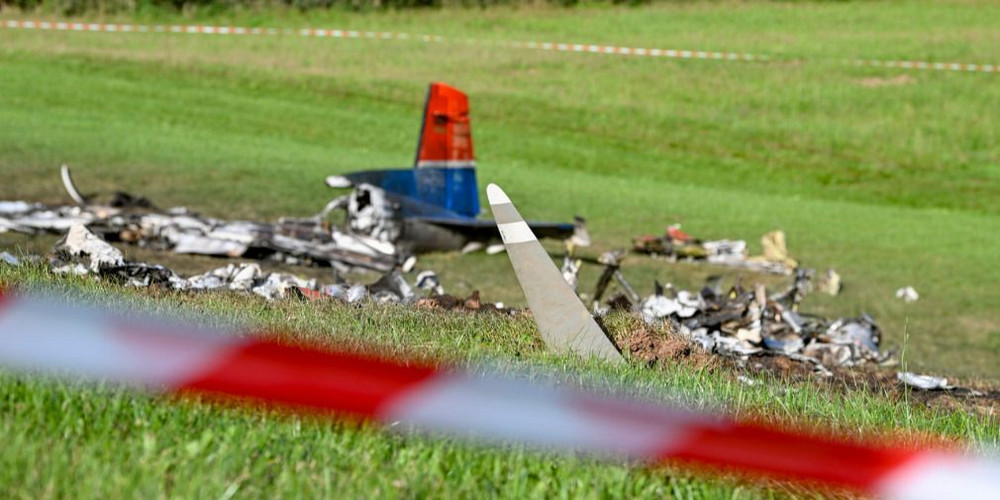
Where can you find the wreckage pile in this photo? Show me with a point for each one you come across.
(744, 323)
(740, 322)
(678, 245)
(131, 219)
(81, 252)
(87, 226)
(736, 323)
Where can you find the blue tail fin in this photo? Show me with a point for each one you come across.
(442, 182)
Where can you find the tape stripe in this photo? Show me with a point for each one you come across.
(505, 213)
(500, 409)
(506, 410)
(307, 378)
(503, 210)
(932, 476)
(547, 46)
(768, 451)
(516, 232)
(41, 336)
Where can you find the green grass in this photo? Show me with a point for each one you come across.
(892, 185)
(68, 439)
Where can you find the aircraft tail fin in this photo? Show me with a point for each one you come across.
(445, 164)
(446, 132)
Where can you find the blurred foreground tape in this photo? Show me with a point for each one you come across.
(39, 334)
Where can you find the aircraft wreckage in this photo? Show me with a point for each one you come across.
(738, 323)
(434, 205)
(391, 215)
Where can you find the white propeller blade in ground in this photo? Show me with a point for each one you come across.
(565, 324)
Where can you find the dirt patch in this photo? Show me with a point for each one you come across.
(656, 345)
(886, 82)
(661, 345)
(472, 303)
(968, 397)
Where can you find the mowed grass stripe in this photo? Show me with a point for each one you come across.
(795, 130)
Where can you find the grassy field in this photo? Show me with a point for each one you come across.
(75, 440)
(888, 176)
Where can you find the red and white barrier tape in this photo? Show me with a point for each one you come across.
(548, 46)
(37, 334)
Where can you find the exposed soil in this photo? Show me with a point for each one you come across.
(656, 345)
(883, 82)
(472, 303)
(653, 346)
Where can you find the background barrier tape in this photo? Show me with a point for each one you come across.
(547, 46)
(47, 335)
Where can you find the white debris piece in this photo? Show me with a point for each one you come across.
(9, 259)
(392, 287)
(203, 245)
(690, 303)
(726, 251)
(570, 271)
(244, 276)
(830, 283)
(925, 382)
(356, 293)
(249, 277)
(370, 213)
(657, 307)
(14, 207)
(335, 290)
(80, 242)
(277, 285)
(751, 335)
(37, 218)
(733, 347)
(409, 263)
(787, 344)
(861, 335)
(701, 337)
(75, 269)
(472, 246)
(209, 280)
(428, 280)
(907, 294)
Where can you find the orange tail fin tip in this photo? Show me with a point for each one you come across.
(445, 136)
